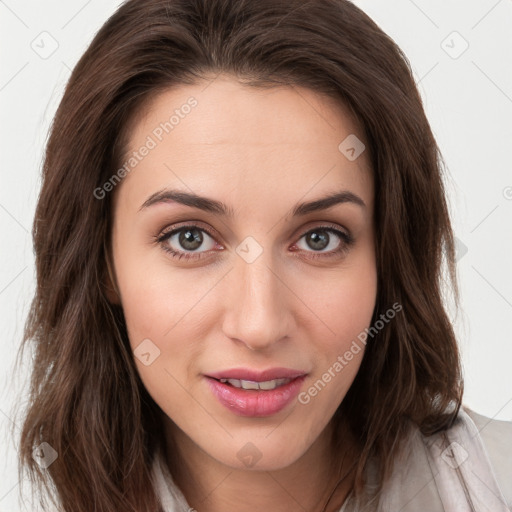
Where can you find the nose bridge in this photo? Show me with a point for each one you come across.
(258, 313)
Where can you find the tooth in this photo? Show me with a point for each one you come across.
(249, 384)
(269, 384)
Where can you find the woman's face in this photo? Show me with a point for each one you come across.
(265, 285)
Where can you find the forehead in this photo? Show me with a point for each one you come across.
(227, 110)
(221, 133)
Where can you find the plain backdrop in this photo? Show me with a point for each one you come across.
(460, 52)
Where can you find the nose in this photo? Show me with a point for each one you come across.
(258, 312)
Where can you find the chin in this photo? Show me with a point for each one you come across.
(270, 453)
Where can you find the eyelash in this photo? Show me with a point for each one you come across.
(346, 242)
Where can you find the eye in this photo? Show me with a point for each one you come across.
(186, 241)
(321, 238)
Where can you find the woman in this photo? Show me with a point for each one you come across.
(239, 245)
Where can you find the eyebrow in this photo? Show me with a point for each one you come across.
(219, 208)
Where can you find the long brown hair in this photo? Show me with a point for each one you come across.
(86, 398)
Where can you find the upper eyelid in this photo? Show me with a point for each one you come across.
(175, 228)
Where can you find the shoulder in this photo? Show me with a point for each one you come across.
(496, 436)
(470, 462)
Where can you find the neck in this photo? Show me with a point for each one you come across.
(210, 486)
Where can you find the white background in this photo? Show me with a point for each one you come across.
(468, 101)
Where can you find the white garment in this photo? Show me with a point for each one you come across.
(467, 468)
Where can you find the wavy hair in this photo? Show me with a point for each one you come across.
(86, 398)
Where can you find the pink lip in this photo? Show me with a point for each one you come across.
(257, 376)
(252, 402)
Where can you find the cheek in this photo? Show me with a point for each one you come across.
(165, 310)
(158, 318)
(346, 299)
(158, 309)
(346, 311)
(349, 306)
(156, 298)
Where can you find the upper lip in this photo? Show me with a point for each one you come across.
(256, 375)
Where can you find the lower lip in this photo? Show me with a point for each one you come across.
(255, 403)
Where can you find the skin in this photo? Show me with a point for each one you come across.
(261, 152)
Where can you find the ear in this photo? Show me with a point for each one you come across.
(108, 282)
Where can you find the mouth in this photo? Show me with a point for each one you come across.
(259, 376)
(266, 385)
(255, 398)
